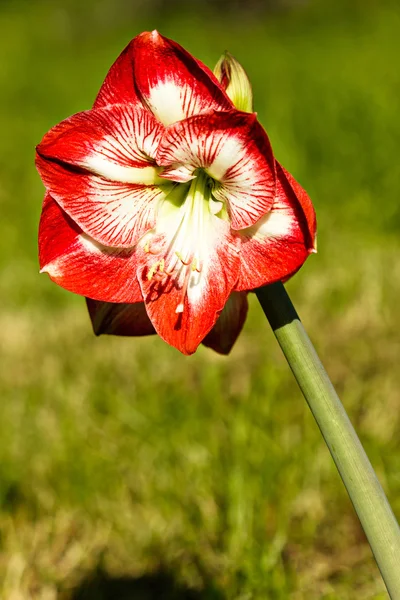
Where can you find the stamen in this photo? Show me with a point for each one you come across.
(196, 266)
(158, 271)
(180, 307)
(179, 255)
(182, 258)
(157, 265)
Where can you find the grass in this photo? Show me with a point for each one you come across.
(130, 471)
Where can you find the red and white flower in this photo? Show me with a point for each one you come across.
(168, 202)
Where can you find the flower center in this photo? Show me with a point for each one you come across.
(184, 225)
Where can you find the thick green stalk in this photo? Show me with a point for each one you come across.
(364, 489)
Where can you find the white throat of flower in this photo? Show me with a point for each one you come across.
(185, 222)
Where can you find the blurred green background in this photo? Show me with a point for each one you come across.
(129, 471)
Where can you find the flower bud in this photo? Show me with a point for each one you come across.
(234, 80)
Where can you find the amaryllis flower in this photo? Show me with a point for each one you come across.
(167, 201)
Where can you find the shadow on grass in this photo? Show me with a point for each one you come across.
(156, 586)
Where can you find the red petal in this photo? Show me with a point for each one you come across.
(183, 308)
(235, 151)
(119, 319)
(171, 82)
(118, 86)
(229, 324)
(306, 206)
(114, 214)
(276, 247)
(80, 265)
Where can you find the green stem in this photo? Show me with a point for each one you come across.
(363, 487)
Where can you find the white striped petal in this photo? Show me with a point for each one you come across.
(234, 151)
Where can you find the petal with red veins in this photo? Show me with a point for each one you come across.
(118, 143)
(234, 151)
(119, 319)
(98, 165)
(229, 324)
(188, 273)
(80, 265)
(171, 82)
(276, 247)
(112, 213)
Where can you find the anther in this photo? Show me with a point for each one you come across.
(179, 255)
(153, 270)
(180, 307)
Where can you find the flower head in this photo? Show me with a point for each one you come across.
(167, 201)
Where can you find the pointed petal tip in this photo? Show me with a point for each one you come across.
(97, 331)
(150, 36)
(314, 248)
(49, 268)
(39, 153)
